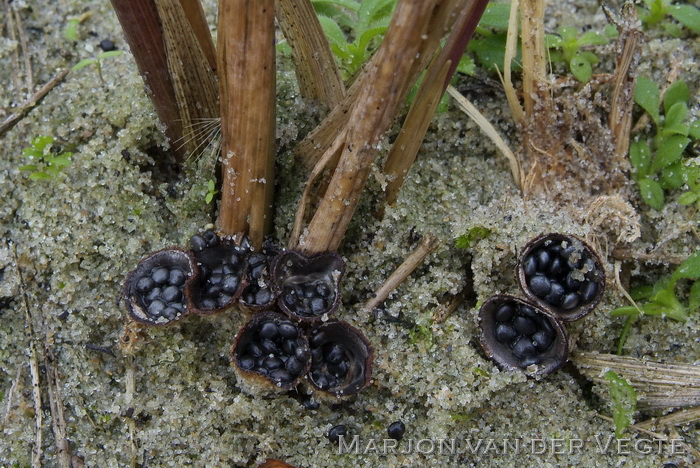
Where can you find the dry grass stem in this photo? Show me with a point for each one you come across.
(444, 311)
(511, 51)
(34, 100)
(191, 75)
(534, 60)
(32, 339)
(491, 132)
(141, 26)
(317, 73)
(428, 245)
(658, 384)
(198, 22)
(315, 144)
(58, 422)
(371, 116)
(247, 76)
(677, 418)
(622, 100)
(405, 149)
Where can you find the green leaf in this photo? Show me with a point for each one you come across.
(552, 40)
(623, 402)
(629, 311)
(646, 95)
(677, 92)
(62, 160)
(29, 167)
(665, 303)
(694, 130)
(490, 51)
(689, 269)
(42, 142)
(349, 4)
(652, 193)
(592, 38)
(34, 153)
(466, 65)
(71, 30)
(672, 176)
(687, 15)
(209, 197)
(688, 198)
(642, 292)
(672, 29)
(210, 185)
(580, 68)
(568, 33)
(111, 53)
(333, 31)
(590, 57)
(694, 298)
(473, 236)
(367, 36)
(611, 31)
(674, 121)
(372, 11)
(39, 176)
(640, 157)
(496, 16)
(83, 63)
(669, 151)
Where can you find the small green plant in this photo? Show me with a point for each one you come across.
(474, 235)
(658, 163)
(72, 31)
(566, 47)
(660, 299)
(660, 12)
(47, 163)
(489, 41)
(371, 20)
(97, 61)
(211, 191)
(623, 402)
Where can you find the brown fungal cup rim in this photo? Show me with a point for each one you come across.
(368, 362)
(577, 312)
(332, 259)
(133, 308)
(243, 338)
(501, 353)
(226, 243)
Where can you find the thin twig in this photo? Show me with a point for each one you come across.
(34, 100)
(428, 245)
(444, 311)
(622, 99)
(58, 422)
(37, 450)
(25, 52)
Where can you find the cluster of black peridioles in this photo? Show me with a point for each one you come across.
(563, 280)
(289, 338)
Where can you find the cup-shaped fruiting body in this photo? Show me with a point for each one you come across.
(517, 334)
(562, 273)
(154, 292)
(259, 292)
(222, 265)
(308, 287)
(270, 353)
(341, 359)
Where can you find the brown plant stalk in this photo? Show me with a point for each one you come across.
(369, 119)
(317, 73)
(246, 55)
(405, 149)
(173, 63)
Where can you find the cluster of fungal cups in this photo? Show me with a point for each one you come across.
(290, 337)
(563, 280)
